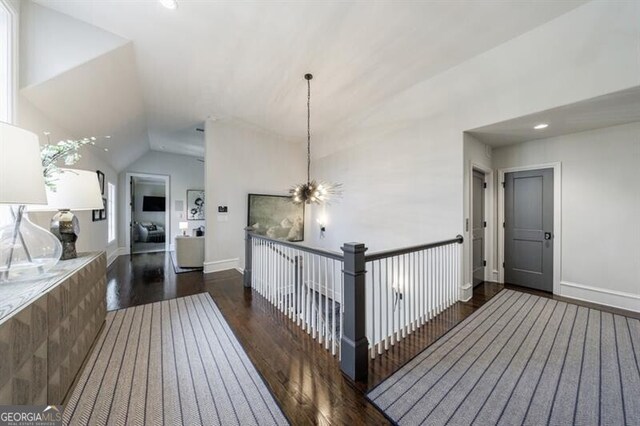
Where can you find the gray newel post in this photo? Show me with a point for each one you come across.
(354, 349)
(247, 257)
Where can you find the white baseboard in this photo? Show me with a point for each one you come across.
(120, 251)
(466, 292)
(239, 269)
(220, 265)
(613, 298)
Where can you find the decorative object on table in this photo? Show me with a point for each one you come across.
(100, 181)
(199, 231)
(276, 217)
(195, 204)
(312, 191)
(26, 250)
(52, 154)
(183, 226)
(74, 190)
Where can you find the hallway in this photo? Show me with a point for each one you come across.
(305, 379)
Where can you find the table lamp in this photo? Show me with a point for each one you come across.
(74, 190)
(26, 250)
(183, 227)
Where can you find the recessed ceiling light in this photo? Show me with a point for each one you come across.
(169, 4)
(541, 126)
(107, 137)
(106, 150)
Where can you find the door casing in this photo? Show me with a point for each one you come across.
(557, 218)
(167, 214)
(491, 273)
(478, 225)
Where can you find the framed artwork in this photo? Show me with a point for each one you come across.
(101, 181)
(98, 215)
(275, 216)
(195, 204)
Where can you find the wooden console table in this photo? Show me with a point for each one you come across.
(47, 328)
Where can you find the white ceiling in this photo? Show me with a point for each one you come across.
(604, 111)
(246, 60)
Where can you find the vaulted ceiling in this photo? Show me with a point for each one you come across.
(149, 76)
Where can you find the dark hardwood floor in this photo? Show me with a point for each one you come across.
(303, 377)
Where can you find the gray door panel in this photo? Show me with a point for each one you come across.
(528, 216)
(478, 255)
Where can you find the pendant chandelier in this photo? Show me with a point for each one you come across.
(313, 191)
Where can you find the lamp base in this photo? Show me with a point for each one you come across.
(26, 250)
(66, 227)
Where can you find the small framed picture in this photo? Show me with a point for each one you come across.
(103, 212)
(98, 215)
(195, 204)
(101, 181)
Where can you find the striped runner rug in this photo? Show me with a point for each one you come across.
(175, 362)
(522, 359)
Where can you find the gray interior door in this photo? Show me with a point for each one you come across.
(132, 188)
(529, 229)
(478, 228)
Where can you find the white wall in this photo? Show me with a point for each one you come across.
(241, 159)
(184, 173)
(402, 161)
(93, 235)
(600, 209)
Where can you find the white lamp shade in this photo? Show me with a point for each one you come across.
(75, 190)
(183, 225)
(21, 173)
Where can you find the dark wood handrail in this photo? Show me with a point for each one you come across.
(397, 252)
(312, 250)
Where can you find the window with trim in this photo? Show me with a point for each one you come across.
(7, 60)
(111, 212)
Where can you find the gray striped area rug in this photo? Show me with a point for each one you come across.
(522, 359)
(175, 362)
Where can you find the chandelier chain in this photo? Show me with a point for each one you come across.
(308, 130)
(312, 191)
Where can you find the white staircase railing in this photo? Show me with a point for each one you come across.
(357, 306)
(408, 287)
(305, 284)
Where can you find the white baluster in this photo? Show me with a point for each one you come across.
(370, 318)
(380, 314)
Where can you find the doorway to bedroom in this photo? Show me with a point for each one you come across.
(149, 213)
